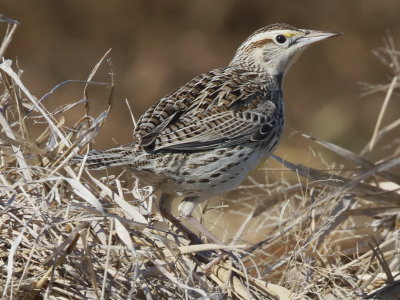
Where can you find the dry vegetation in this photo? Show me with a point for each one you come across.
(67, 234)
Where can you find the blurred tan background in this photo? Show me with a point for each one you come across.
(159, 45)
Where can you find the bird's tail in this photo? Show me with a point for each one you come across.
(101, 159)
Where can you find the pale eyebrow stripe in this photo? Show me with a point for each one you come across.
(291, 34)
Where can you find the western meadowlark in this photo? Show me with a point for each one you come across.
(204, 138)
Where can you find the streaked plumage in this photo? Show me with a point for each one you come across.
(203, 139)
(206, 136)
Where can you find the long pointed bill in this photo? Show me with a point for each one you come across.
(312, 36)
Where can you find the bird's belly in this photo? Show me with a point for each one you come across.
(210, 173)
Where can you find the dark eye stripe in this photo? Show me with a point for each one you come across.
(257, 44)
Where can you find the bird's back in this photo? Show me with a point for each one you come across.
(224, 107)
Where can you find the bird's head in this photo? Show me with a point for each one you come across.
(274, 48)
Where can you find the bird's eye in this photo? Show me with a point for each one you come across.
(281, 39)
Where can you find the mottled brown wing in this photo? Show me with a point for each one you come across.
(220, 108)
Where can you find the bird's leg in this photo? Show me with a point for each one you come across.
(165, 210)
(185, 209)
(200, 227)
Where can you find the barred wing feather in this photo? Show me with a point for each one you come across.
(221, 108)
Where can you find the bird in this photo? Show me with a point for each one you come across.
(204, 138)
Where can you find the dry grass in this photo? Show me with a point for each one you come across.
(67, 234)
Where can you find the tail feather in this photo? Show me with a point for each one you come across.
(101, 159)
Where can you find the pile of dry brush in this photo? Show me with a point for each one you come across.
(67, 234)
